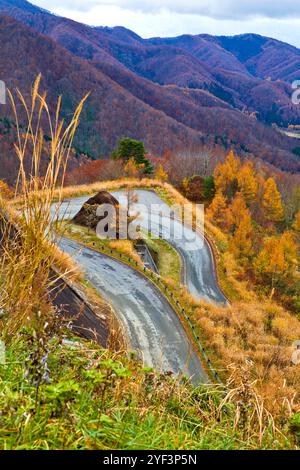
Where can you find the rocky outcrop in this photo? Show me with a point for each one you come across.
(87, 216)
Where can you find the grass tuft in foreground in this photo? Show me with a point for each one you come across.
(91, 398)
(28, 247)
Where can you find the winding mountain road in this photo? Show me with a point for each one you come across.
(199, 266)
(151, 324)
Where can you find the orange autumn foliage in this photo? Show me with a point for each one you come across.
(5, 190)
(277, 259)
(226, 175)
(247, 182)
(239, 224)
(241, 243)
(133, 169)
(271, 202)
(236, 211)
(161, 174)
(217, 212)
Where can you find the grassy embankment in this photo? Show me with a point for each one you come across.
(96, 399)
(167, 258)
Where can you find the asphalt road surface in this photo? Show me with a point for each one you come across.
(152, 326)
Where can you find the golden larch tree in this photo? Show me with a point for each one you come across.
(217, 211)
(271, 202)
(226, 175)
(277, 259)
(161, 174)
(236, 211)
(242, 240)
(133, 169)
(247, 182)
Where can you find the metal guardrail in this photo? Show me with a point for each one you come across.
(146, 256)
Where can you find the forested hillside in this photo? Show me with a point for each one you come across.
(191, 92)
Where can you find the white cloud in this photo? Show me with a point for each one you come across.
(226, 9)
(280, 19)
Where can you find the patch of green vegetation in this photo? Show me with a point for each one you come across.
(96, 399)
(130, 148)
(168, 260)
(90, 239)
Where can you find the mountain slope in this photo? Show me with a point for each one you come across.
(255, 70)
(229, 67)
(173, 93)
(110, 112)
(264, 57)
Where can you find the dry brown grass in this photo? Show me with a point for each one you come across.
(254, 336)
(28, 249)
(260, 335)
(125, 247)
(60, 260)
(252, 418)
(88, 189)
(65, 265)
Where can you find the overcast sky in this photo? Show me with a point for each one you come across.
(275, 18)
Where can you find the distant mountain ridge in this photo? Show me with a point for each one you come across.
(173, 93)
